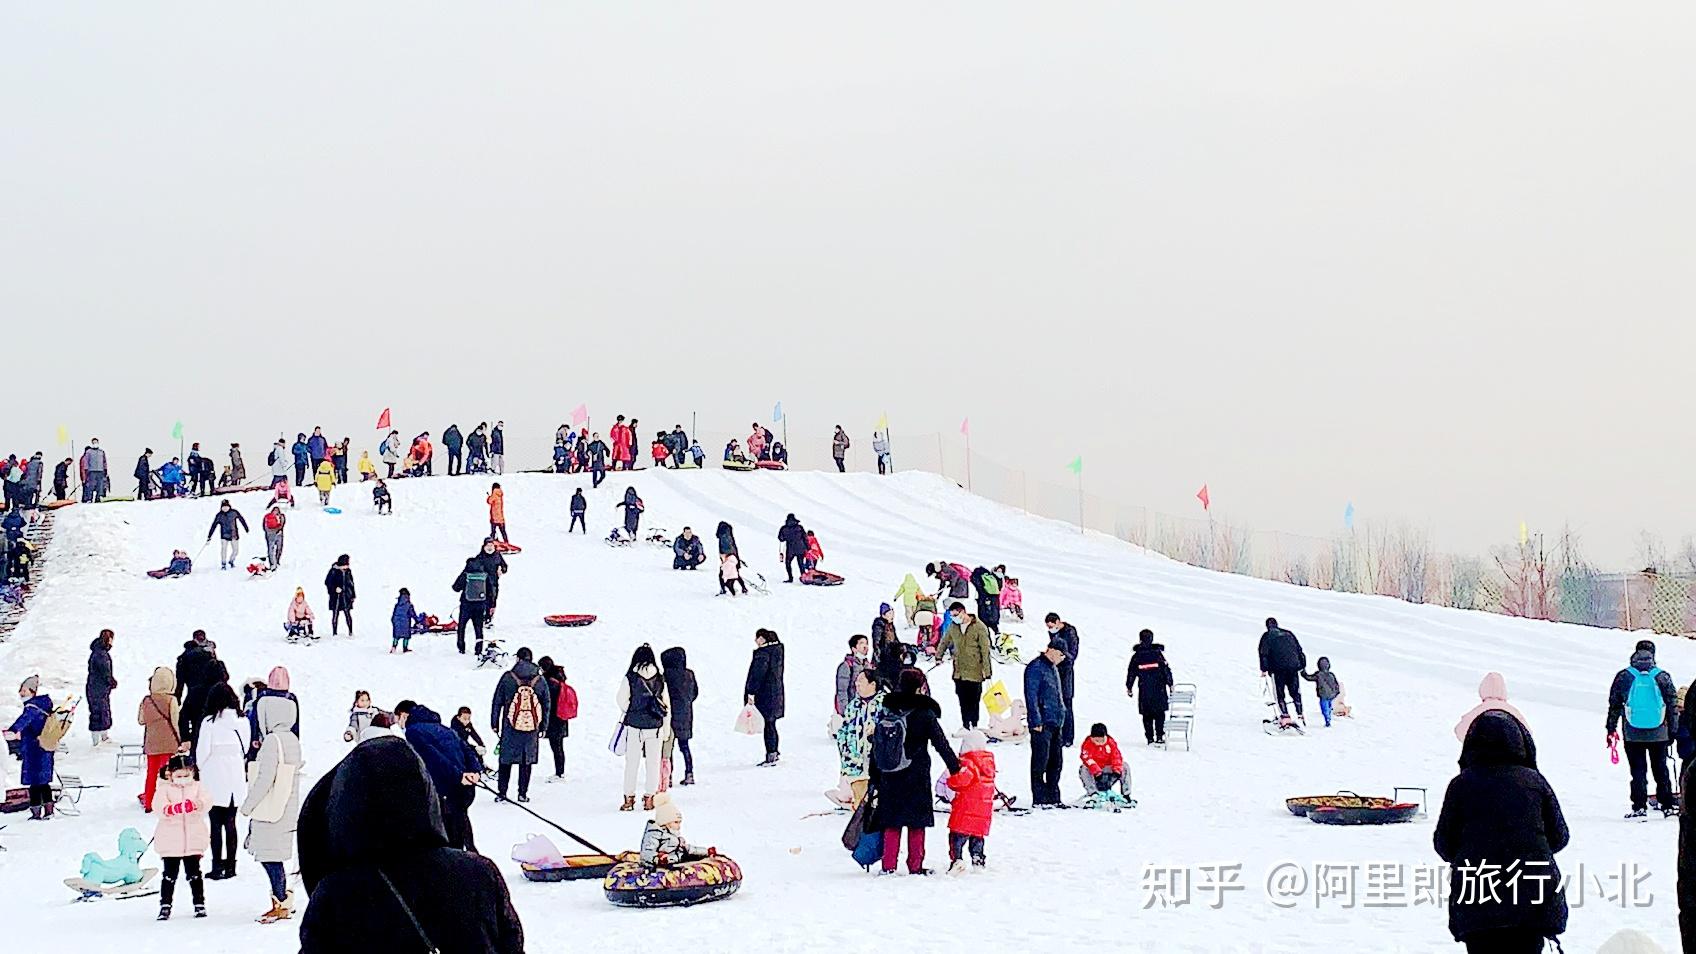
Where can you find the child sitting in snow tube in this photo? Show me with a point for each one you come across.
(671, 872)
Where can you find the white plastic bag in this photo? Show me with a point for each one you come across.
(750, 722)
(537, 850)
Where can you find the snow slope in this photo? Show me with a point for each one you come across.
(1074, 878)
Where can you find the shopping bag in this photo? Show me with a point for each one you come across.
(750, 722)
(619, 742)
(537, 850)
(995, 700)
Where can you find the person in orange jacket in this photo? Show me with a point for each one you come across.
(974, 802)
(1103, 766)
(497, 514)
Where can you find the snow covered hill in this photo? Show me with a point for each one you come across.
(1073, 879)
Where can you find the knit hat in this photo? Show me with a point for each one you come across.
(883, 609)
(664, 811)
(974, 741)
(30, 685)
(279, 679)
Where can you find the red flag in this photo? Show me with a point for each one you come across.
(1206, 501)
(966, 426)
(383, 419)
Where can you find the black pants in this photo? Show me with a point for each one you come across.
(688, 757)
(1046, 757)
(1644, 757)
(841, 468)
(456, 464)
(970, 694)
(1154, 726)
(577, 521)
(959, 844)
(498, 530)
(336, 615)
(456, 820)
(771, 737)
(989, 611)
(224, 842)
(729, 586)
(793, 562)
(40, 795)
(472, 613)
(1067, 686)
(1504, 941)
(168, 885)
(1288, 680)
(524, 770)
(599, 475)
(557, 744)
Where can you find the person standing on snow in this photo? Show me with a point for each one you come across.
(969, 639)
(579, 512)
(633, 508)
(644, 704)
(221, 754)
(274, 523)
(95, 483)
(900, 775)
(1282, 658)
(37, 759)
(497, 513)
(317, 447)
(1149, 672)
(793, 536)
(338, 583)
(764, 687)
(477, 450)
(62, 479)
(681, 692)
(390, 452)
(325, 481)
(857, 660)
(454, 767)
(1644, 694)
(302, 459)
(1045, 710)
(880, 447)
(273, 805)
(228, 525)
(623, 444)
(97, 690)
(1068, 634)
(157, 716)
(454, 441)
(143, 475)
(839, 445)
(476, 586)
(238, 469)
(597, 451)
(519, 715)
(497, 448)
(279, 461)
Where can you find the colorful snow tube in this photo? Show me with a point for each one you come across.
(1305, 804)
(1367, 815)
(740, 466)
(569, 619)
(821, 578)
(631, 884)
(577, 867)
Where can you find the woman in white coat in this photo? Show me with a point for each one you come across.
(273, 804)
(220, 750)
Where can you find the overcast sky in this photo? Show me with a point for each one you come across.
(1432, 258)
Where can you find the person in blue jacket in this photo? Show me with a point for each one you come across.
(453, 766)
(13, 524)
(302, 458)
(38, 761)
(1045, 710)
(562, 457)
(401, 621)
(171, 478)
(318, 447)
(688, 551)
(697, 453)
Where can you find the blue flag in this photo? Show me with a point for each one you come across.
(1348, 515)
(777, 413)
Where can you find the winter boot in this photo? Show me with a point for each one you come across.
(688, 778)
(35, 813)
(277, 912)
(629, 804)
(200, 910)
(164, 911)
(1637, 813)
(647, 803)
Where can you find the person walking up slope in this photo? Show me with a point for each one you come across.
(1149, 672)
(1644, 694)
(764, 687)
(273, 803)
(520, 715)
(497, 514)
(228, 524)
(338, 583)
(1281, 657)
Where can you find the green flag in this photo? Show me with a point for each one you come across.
(177, 431)
(1077, 465)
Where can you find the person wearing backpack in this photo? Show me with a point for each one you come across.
(988, 586)
(565, 709)
(37, 733)
(1644, 694)
(519, 715)
(764, 687)
(645, 707)
(681, 689)
(475, 586)
(908, 727)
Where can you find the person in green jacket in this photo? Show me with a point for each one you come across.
(969, 639)
(908, 594)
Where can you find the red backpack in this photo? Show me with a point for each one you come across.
(565, 702)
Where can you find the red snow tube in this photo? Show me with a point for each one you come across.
(503, 547)
(821, 578)
(771, 465)
(569, 619)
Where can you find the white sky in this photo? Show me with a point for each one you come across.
(1433, 258)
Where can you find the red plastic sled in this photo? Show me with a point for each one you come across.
(821, 578)
(503, 547)
(450, 626)
(569, 619)
(771, 465)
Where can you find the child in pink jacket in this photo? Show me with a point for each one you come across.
(184, 833)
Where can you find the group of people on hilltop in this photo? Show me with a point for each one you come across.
(484, 451)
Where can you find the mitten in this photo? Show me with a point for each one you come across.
(712, 852)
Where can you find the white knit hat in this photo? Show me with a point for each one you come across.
(664, 811)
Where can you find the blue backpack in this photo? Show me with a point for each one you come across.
(1644, 707)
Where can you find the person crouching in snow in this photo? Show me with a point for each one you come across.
(662, 838)
(1103, 767)
(183, 833)
(1325, 686)
(464, 727)
(974, 801)
(401, 621)
(325, 481)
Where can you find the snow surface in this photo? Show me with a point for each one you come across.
(1071, 880)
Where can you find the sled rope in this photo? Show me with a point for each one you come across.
(562, 830)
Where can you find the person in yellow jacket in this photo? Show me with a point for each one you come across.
(325, 479)
(908, 594)
(367, 470)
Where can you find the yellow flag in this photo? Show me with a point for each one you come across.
(883, 422)
(64, 435)
(995, 700)
(1524, 533)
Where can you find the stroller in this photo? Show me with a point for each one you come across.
(492, 654)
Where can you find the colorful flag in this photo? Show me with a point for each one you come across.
(177, 431)
(966, 426)
(1524, 533)
(64, 435)
(1077, 465)
(1206, 501)
(1348, 515)
(883, 422)
(383, 420)
(777, 413)
(580, 415)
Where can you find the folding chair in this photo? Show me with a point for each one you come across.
(1180, 713)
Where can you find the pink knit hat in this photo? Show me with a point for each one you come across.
(279, 679)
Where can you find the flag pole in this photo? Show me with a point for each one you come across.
(968, 459)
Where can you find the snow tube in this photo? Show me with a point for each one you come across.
(772, 465)
(56, 504)
(569, 619)
(821, 578)
(1304, 804)
(577, 867)
(332, 510)
(1366, 815)
(631, 884)
(450, 626)
(504, 547)
(740, 466)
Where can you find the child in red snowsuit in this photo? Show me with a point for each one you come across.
(974, 801)
(1103, 766)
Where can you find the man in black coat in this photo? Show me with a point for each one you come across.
(1060, 629)
(375, 861)
(902, 798)
(198, 670)
(1500, 811)
(454, 767)
(793, 536)
(1648, 726)
(144, 470)
(764, 687)
(1282, 658)
(1149, 672)
(455, 443)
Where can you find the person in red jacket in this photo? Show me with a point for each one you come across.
(1103, 766)
(974, 801)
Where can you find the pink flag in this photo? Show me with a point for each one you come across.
(383, 419)
(1206, 501)
(580, 415)
(966, 426)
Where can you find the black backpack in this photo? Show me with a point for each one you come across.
(476, 587)
(889, 742)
